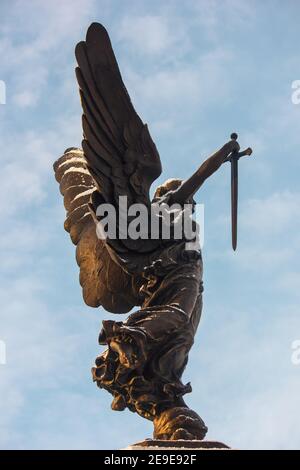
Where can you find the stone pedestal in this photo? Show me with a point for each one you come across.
(156, 444)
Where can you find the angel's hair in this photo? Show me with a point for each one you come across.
(169, 185)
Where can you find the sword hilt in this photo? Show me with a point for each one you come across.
(238, 155)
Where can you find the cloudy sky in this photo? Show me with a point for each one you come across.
(197, 70)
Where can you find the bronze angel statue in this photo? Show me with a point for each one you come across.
(158, 278)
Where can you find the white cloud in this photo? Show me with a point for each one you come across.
(173, 92)
(215, 17)
(27, 162)
(147, 34)
(25, 99)
(271, 226)
(28, 63)
(247, 387)
(289, 282)
(267, 420)
(154, 35)
(268, 232)
(273, 215)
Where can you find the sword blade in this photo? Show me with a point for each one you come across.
(234, 201)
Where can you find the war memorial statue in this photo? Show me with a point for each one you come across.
(158, 276)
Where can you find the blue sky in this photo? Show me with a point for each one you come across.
(196, 70)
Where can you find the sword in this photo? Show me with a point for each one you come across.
(233, 159)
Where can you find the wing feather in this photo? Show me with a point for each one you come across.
(103, 281)
(119, 158)
(115, 137)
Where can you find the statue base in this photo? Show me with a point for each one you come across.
(158, 444)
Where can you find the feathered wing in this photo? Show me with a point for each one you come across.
(120, 154)
(103, 281)
(119, 158)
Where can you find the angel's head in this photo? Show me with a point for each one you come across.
(169, 185)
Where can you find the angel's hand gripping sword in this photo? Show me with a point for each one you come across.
(233, 158)
(228, 153)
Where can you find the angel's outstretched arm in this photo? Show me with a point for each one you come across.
(212, 164)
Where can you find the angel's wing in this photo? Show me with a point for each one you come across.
(120, 153)
(119, 158)
(103, 281)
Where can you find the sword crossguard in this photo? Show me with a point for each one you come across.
(247, 152)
